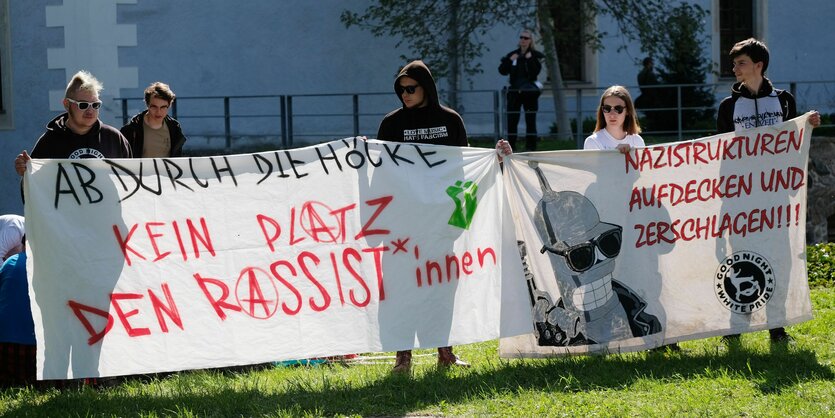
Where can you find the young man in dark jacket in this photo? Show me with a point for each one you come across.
(78, 133)
(152, 133)
(754, 102)
(422, 119)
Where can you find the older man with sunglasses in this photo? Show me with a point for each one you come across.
(78, 133)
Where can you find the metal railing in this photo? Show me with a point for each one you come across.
(294, 120)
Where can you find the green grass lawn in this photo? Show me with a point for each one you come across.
(705, 379)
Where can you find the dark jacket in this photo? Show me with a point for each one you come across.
(743, 110)
(102, 141)
(522, 76)
(135, 133)
(432, 124)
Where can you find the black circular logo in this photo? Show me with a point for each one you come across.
(83, 153)
(744, 282)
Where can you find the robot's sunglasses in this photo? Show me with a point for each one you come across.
(581, 257)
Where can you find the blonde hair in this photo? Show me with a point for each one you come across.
(531, 35)
(83, 80)
(630, 124)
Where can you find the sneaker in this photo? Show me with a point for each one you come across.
(447, 359)
(402, 362)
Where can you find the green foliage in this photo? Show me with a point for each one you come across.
(589, 124)
(635, 19)
(820, 262)
(438, 32)
(446, 32)
(679, 51)
(826, 119)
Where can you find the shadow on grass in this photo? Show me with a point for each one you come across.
(326, 393)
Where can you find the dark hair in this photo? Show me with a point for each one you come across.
(647, 60)
(754, 48)
(161, 90)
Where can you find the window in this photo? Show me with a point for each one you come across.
(2, 109)
(830, 229)
(736, 23)
(5, 68)
(568, 18)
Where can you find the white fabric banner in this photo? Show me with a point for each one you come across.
(150, 265)
(667, 243)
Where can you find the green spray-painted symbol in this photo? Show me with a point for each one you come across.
(464, 208)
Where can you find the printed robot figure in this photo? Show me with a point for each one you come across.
(593, 307)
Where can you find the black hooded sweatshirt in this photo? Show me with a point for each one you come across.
(743, 110)
(60, 142)
(431, 124)
(101, 141)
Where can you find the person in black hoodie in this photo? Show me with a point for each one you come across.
(422, 119)
(152, 133)
(522, 66)
(754, 102)
(78, 133)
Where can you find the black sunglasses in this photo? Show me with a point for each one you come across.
(524, 37)
(582, 257)
(618, 109)
(85, 105)
(408, 89)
